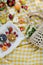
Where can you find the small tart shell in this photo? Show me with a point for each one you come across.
(11, 37)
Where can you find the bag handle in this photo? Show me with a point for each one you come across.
(40, 15)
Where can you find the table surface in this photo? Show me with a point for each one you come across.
(25, 54)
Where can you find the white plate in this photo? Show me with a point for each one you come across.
(15, 43)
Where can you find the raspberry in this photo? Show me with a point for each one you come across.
(10, 16)
(14, 32)
(7, 32)
(8, 44)
(10, 29)
(22, 6)
(1, 45)
(16, 35)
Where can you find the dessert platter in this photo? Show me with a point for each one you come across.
(10, 37)
(13, 21)
(16, 24)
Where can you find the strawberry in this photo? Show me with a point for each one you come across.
(22, 28)
(10, 29)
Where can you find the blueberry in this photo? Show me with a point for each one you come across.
(3, 38)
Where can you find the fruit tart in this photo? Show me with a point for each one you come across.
(10, 3)
(3, 13)
(2, 6)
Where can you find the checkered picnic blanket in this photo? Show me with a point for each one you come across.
(25, 54)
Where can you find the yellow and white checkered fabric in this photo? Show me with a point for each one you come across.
(25, 54)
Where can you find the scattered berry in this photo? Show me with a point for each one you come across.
(8, 44)
(22, 28)
(10, 29)
(10, 16)
(26, 7)
(14, 32)
(1, 45)
(22, 6)
(18, 11)
(16, 35)
(13, 2)
(7, 32)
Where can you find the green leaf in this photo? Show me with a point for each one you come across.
(33, 29)
(31, 32)
(27, 29)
